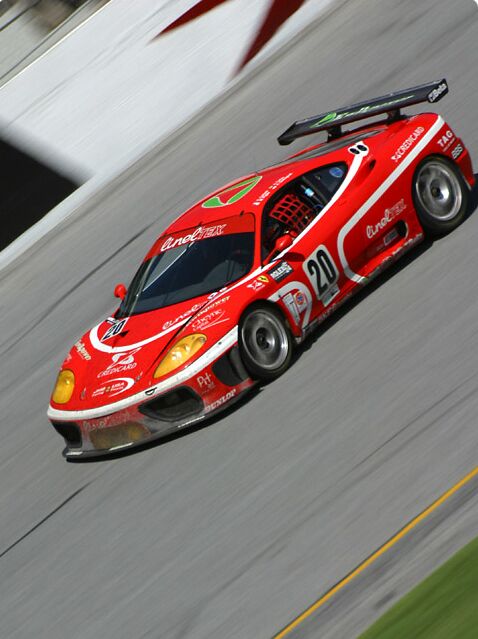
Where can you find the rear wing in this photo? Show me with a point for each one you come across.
(390, 104)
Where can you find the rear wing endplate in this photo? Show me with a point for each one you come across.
(391, 104)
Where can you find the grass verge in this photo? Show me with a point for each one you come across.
(444, 606)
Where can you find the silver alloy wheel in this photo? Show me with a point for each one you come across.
(265, 339)
(439, 191)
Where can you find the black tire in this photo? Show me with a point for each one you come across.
(440, 195)
(265, 342)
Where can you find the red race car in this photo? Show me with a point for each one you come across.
(230, 288)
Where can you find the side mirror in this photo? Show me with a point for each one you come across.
(281, 244)
(120, 291)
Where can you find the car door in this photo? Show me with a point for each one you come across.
(309, 209)
(379, 217)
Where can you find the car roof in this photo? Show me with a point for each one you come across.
(246, 194)
(251, 192)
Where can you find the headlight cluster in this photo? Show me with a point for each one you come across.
(65, 384)
(180, 353)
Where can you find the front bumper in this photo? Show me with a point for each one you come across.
(162, 410)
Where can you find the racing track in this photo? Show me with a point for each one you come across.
(234, 529)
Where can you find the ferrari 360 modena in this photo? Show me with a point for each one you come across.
(240, 279)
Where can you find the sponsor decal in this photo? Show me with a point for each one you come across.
(115, 329)
(216, 293)
(214, 305)
(150, 391)
(205, 382)
(365, 208)
(263, 278)
(121, 363)
(222, 400)
(300, 301)
(336, 172)
(391, 258)
(434, 95)
(388, 239)
(407, 144)
(114, 387)
(323, 274)
(457, 151)
(388, 216)
(273, 187)
(446, 140)
(256, 285)
(216, 316)
(234, 193)
(289, 301)
(391, 237)
(201, 233)
(82, 350)
(336, 117)
(111, 420)
(302, 298)
(182, 317)
(281, 271)
(330, 295)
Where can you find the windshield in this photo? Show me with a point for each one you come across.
(183, 271)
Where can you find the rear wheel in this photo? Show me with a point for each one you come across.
(265, 342)
(440, 194)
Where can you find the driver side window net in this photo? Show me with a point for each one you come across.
(294, 207)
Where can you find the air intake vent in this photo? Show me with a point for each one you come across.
(173, 406)
(70, 432)
(229, 368)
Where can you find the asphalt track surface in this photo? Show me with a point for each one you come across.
(234, 529)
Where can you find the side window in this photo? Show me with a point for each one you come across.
(327, 179)
(294, 207)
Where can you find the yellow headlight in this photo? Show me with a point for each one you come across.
(64, 387)
(180, 353)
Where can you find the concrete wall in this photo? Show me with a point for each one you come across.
(109, 90)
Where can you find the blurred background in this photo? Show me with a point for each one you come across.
(86, 88)
(30, 26)
(32, 183)
(114, 118)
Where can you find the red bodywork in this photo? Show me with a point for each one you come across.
(368, 223)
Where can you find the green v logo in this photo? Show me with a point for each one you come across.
(232, 194)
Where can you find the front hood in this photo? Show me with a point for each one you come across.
(117, 358)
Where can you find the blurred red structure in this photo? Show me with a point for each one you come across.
(279, 12)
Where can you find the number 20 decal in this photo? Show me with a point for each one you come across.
(323, 274)
(115, 329)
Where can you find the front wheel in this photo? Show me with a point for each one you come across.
(265, 342)
(440, 195)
